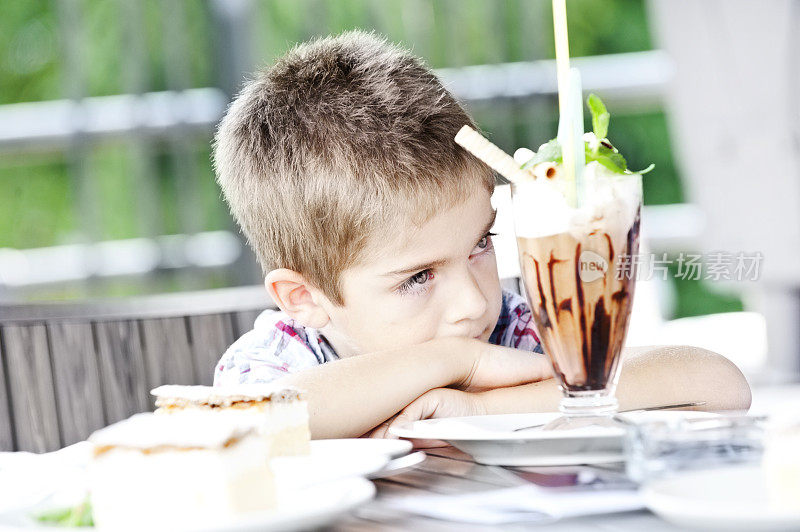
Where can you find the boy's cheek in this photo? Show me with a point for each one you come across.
(378, 322)
(493, 292)
(395, 333)
(405, 334)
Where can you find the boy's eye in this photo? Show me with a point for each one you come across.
(420, 280)
(417, 279)
(485, 241)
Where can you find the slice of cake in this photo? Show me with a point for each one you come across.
(283, 411)
(781, 462)
(165, 472)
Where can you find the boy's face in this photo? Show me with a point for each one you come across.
(434, 281)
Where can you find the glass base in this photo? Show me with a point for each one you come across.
(582, 422)
(590, 410)
(588, 404)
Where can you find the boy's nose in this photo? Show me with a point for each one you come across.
(467, 301)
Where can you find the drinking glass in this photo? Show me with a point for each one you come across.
(579, 268)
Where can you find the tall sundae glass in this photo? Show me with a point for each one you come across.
(578, 244)
(578, 270)
(576, 209)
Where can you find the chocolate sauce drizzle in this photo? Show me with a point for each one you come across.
(601, 330)
(543, 318)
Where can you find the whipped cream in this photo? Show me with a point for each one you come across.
(610, 203)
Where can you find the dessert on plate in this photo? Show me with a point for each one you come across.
(781, 463)
(283, 411)
(154, 471)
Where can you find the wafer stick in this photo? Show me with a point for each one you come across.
(494, 157)
(546, 170)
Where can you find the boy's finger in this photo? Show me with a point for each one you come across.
(413, 412)
(380, 431)
(423, 407)
(428, 444)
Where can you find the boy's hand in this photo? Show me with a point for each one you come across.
(493, 366)
(377, 385)
(439, 402)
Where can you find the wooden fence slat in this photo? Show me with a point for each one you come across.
(167, 352)
(243, 321)
(122, 369)
(74, 362)
(31, 384)
(6, 426)
(210, 336)
(143, 307)
(67, 370)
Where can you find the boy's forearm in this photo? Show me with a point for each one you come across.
(650, 376)
(348, 397)
(662, 375)
(540, 396)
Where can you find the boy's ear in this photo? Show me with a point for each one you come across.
(292, 293)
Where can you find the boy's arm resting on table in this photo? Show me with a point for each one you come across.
(650, 376)
(349, 397)
(673, 374)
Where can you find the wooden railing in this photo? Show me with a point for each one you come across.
(69, 369)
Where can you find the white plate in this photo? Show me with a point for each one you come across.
(733, 498)
(314, 489)
(389, 448)
(330, 460)
(307, 508)
(400, 465)
(491, 440)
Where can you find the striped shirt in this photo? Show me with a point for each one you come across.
(278, 345)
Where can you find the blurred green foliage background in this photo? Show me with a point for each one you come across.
(38, 205)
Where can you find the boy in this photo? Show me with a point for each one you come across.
(373, 228)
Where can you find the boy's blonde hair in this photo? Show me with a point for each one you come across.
(343, 140)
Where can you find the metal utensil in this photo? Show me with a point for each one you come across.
(648, 409)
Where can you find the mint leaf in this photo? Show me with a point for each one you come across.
(59, 515)
(79, 515)
(600, 116)
(550, 152)
(602, 151)
(610, 158)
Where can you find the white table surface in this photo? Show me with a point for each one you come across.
(449, 471)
